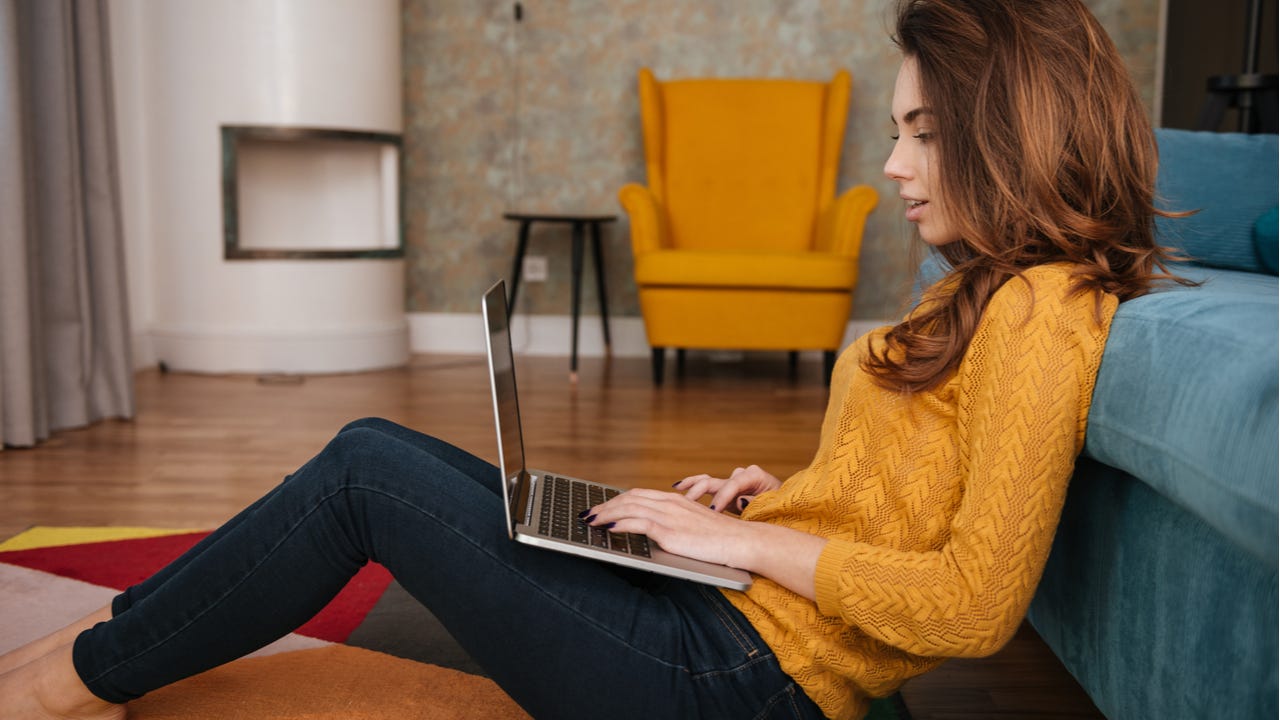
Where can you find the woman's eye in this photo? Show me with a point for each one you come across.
(894, 137)
(923, 136)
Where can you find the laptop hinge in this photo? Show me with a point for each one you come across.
(524, 498)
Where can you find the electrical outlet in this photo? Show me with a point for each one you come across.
(535, 268)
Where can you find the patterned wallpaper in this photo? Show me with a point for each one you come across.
(543, 115)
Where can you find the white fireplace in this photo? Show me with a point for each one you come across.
(260, 146)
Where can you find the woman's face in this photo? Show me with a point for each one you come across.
(913, 160)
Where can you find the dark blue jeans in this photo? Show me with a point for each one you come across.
(565, 637)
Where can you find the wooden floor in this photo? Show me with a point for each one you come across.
(202, 447)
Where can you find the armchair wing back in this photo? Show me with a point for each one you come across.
(739, 239)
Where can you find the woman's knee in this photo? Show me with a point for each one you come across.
(375, 442)
(378, 424)
(357, 444)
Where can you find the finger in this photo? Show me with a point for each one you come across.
(646, 504)
(702, 487)
(639, 526)
(690, 484)
(744, 501)
(727, 495)
(724, 499)
(682, 484)
(620, 505)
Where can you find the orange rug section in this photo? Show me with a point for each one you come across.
(335, 682)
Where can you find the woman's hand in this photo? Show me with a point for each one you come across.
(677, 524)
(685, 527)
(734, 491)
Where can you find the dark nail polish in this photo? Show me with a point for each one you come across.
(588, 518)
(743, 503)
(607, 526)
(713, 507)
(583, 514)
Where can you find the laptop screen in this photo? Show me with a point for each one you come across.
(502, 371)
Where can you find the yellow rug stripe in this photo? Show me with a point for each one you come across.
(42, 536)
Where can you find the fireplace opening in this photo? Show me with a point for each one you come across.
(305, 193)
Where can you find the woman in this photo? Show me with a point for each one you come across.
(918, 532)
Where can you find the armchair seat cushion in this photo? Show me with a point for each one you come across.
(816, 271)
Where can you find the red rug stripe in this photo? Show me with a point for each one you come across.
(114, 563)
(121, 563)
(348, 608)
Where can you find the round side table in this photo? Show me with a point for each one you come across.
(579, 223)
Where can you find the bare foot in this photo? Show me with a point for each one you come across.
(49, 689)
(36, 649)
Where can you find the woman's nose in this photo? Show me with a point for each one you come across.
(897, 167)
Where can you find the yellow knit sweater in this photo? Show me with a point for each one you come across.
(939, 507)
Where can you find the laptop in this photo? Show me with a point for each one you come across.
(542, 507)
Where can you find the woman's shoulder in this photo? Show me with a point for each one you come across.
(1049, 306)
(1052, 288)
(1056, 278)
(1045, 316)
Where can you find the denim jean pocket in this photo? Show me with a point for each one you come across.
(766, 692)
(790, 703)
(734, 624)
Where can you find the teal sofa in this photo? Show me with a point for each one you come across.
(1160, 592)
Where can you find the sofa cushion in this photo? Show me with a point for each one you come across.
(1230, 178)
(1266, 240)
(1186, 400)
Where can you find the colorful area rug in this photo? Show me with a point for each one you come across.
(341, 664)
(372, 653)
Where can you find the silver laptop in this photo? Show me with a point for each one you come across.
(542, 507)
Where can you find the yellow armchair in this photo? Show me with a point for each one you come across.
(739, 239)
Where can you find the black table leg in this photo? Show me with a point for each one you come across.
(598, 250)
(577, 296)
(659, 364)
(522, 243)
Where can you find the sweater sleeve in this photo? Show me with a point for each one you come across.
(1024, 388)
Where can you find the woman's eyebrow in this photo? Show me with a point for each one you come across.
(913, 114)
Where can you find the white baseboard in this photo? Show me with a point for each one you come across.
(203, 350)
(547, 335)
(428, 333)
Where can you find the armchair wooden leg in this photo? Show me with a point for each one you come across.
(828, 365)
(659, 360)
(793, 363)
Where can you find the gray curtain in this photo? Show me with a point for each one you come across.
(64, 312)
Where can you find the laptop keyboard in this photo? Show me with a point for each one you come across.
(563, 500)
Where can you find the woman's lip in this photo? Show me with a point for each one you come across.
(915, 210)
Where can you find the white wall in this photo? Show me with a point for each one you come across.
(182, 69)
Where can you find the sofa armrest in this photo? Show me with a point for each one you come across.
(648, 222)
(842, 222)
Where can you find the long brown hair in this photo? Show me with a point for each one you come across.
(1045, 155)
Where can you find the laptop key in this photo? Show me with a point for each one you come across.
(580, 533)
(638, 545)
